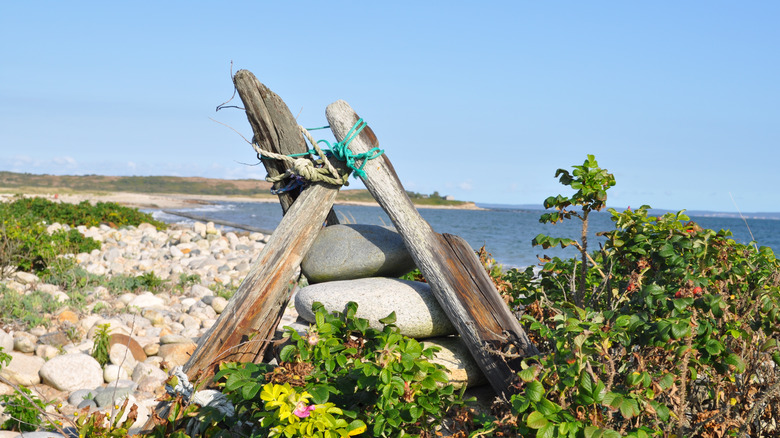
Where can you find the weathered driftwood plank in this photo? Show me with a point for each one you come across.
(450, 266)
(275, 129)
(242, 331)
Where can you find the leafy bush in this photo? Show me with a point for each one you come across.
(288, 413)
(26, 245)
(677, 333)
(373, 377)
(24, 410)
(84, 213)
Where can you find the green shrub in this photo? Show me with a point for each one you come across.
(100, 348)
(677, 333)
(346, 375)
(25, 244)
(23, 409)
(84, 213)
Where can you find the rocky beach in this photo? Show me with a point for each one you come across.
(153, 331)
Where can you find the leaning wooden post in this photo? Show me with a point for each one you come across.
(244, 329)
(457, 278)
(275, 130)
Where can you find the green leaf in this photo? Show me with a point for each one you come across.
(592, 432)
(634, 378)
(250, 391)
(527, 374)
(770, 343)
(586, 383)
(612, 399)
(389, 319)
(319, 394)
(534, 391)
(546, 431)
(666, 251)
(681, 330)
(736, 361)
(713, 347)
(384, 376)
(666, 381)
(287, 353)
(629, 408)
(536, 420)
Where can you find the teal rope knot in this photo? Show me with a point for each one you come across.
(342, 152)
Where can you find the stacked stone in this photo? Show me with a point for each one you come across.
(362, 263)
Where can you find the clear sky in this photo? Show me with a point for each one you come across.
(479, 100)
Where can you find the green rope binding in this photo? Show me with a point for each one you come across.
(342, 152)
(339, 150)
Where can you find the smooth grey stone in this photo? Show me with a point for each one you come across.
(350, 251)
(418, 314)
(80, 395)
(87, 402)
(455, 356)
(112, 395)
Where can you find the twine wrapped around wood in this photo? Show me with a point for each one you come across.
(311, 169)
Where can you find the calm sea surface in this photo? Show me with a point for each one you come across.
(505, 232)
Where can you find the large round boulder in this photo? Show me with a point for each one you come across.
(417, 312)
(350, 251)
(72, 371)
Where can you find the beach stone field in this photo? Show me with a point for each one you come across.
(152, 332)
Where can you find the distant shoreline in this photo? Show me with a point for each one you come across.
(159, 201)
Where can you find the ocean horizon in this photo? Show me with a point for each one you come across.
(505, 230)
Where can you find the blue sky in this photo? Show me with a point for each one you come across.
(680, 100)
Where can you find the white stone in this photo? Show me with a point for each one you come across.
(46, 352)
(72, 371)
(6, 341)
(145, 369)
(23, 369)
(146, 300)
(199, 291)
(418, 314)
(176, 252)
(120, 355)
(26, 277)
(25, 342)
(199, 228)
(219, 304)
(112, 373)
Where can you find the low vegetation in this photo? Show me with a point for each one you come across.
(666, 330)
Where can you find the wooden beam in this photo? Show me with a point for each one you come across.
(244, 329)
(457, 278)
(275, 130)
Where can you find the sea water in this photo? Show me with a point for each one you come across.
(505, 231)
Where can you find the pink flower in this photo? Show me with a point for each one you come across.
(301, 410)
